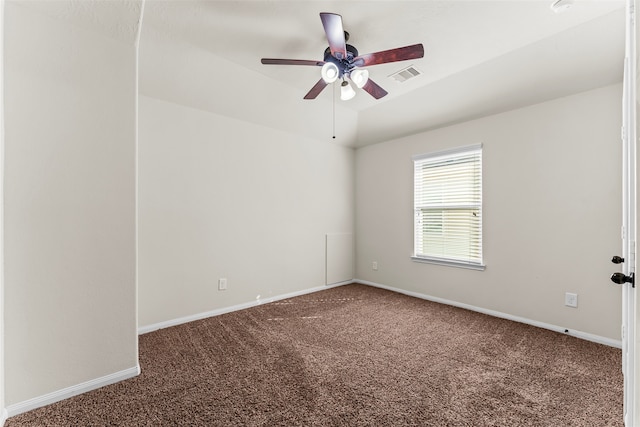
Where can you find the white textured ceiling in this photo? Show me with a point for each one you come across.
(481, 57)
(457, 35)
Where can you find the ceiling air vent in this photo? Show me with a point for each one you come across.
(405, 74)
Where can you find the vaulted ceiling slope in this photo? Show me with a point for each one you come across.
(587, 56)
(481, 57)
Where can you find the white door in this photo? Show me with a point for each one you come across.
(626, 273)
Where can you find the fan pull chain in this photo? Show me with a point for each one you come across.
(334, 110)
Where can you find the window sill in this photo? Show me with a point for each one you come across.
(448, 263)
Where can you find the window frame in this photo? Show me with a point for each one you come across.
(452, 262)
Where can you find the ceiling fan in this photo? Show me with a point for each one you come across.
(342, 61)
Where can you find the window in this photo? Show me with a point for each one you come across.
(448, 207)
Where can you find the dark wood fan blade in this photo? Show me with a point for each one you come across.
(332, 24)
(274, 61)
(315, 90)
(374, 90)
(392, 55)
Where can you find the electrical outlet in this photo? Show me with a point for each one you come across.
(222, 284)
(374, 265)
(571, 300)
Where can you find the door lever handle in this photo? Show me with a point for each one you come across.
(617, 260)
(621, 278)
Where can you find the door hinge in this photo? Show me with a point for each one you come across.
(623, 134)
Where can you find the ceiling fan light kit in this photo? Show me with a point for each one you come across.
(346, 91)
(341, 60)
(329, 72)
(359, 77)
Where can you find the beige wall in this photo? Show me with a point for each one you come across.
(2, 405)
(223, 197)
(219, 197)
(552, 213)
(69, 204)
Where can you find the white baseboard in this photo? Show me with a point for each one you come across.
(68, 392)
(224, 310)
(578, 334)
(4, 417)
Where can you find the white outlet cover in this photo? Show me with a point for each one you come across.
(570, 299)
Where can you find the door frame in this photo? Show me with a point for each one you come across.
(629, 217)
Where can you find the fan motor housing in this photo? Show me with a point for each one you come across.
(344, 65)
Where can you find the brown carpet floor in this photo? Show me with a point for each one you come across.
(355, 356)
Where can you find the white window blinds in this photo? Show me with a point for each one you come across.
(448, 206)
